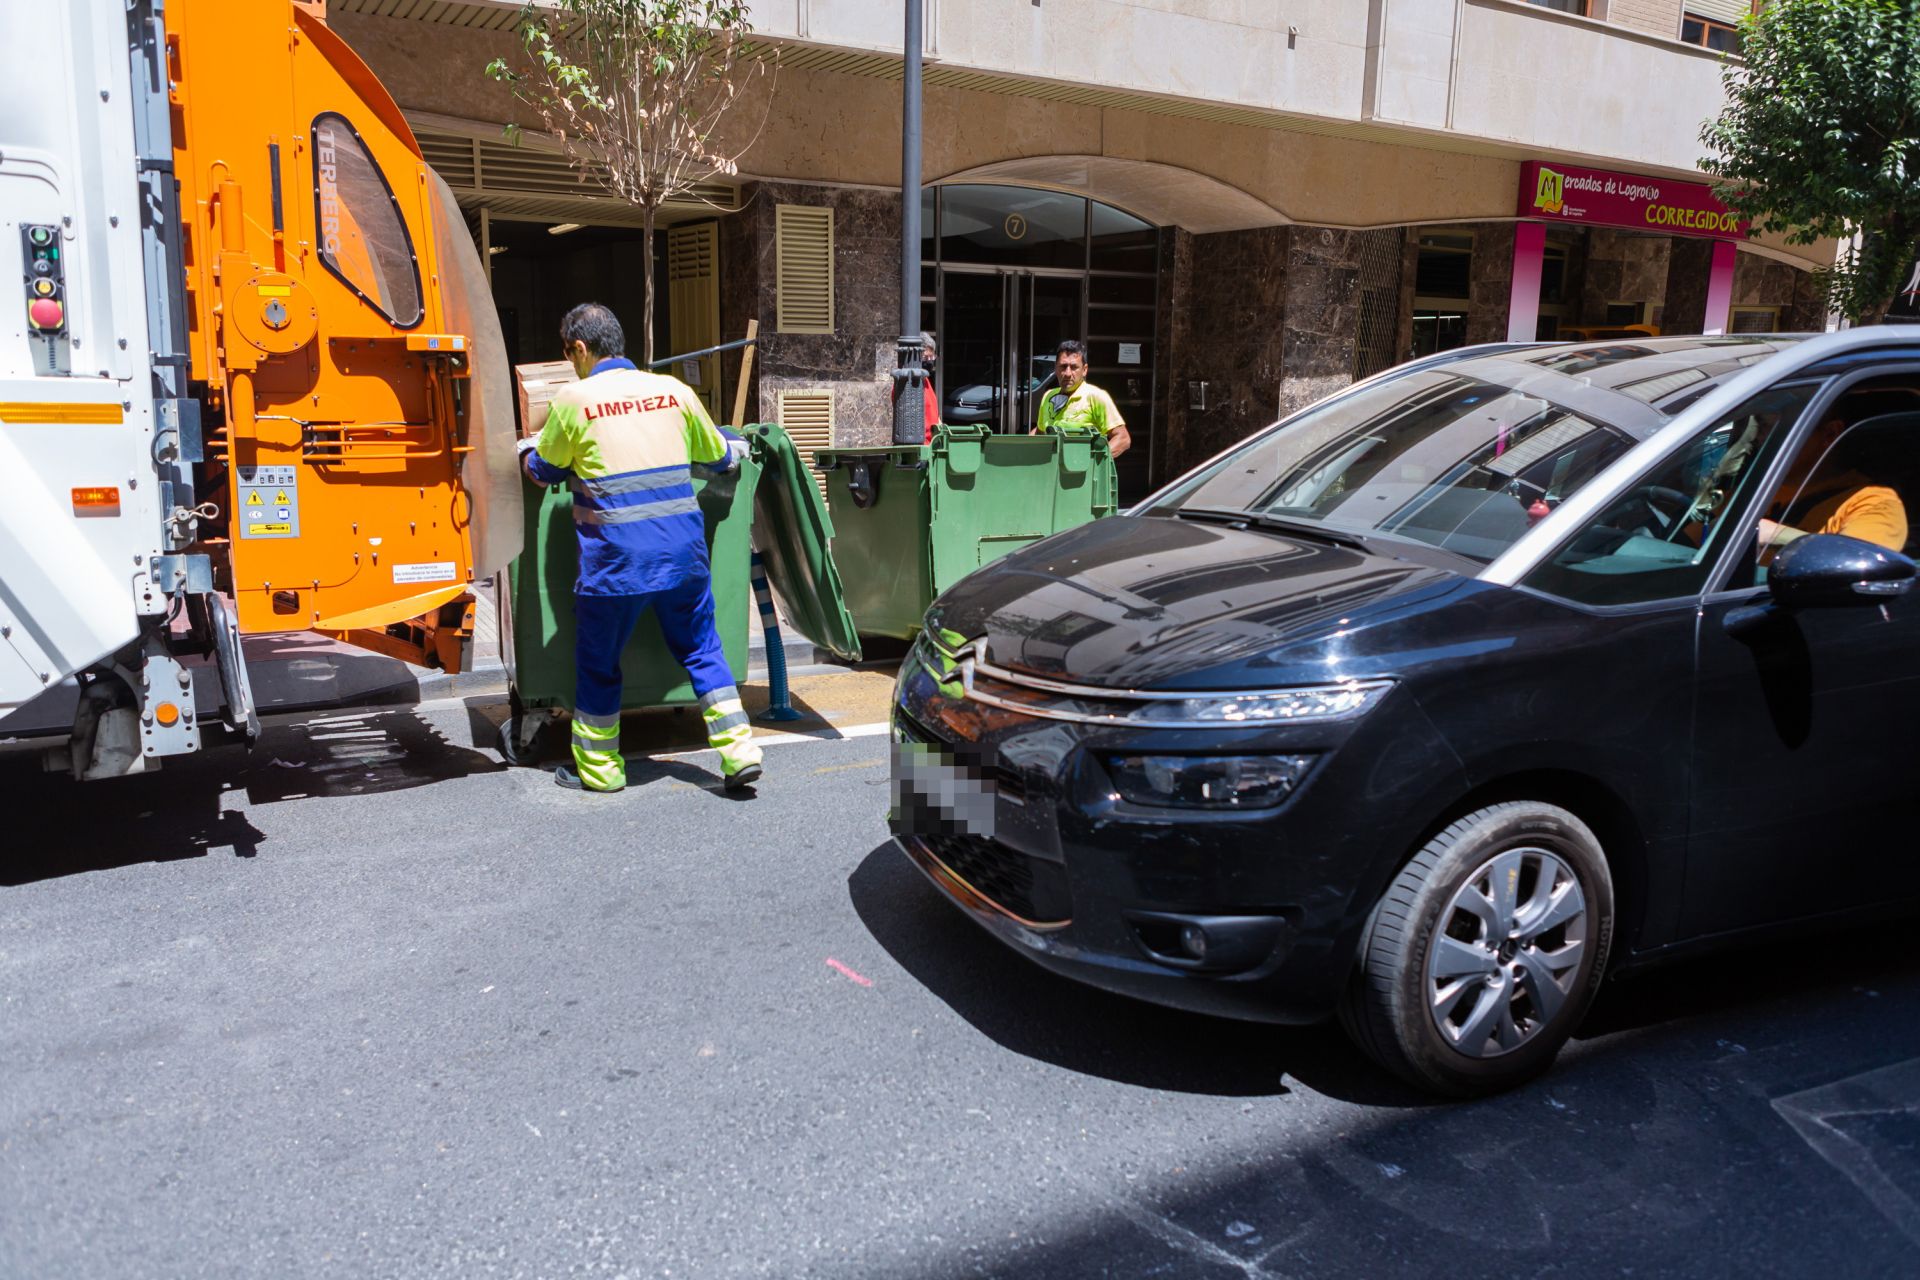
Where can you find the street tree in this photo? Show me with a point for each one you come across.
(1820, 138)
(635, 92)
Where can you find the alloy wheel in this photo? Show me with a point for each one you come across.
(1506, 952)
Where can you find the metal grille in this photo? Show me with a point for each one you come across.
(803, 268)
(1030, 888)
(807, 417)
(534, 181)
(1381, 261)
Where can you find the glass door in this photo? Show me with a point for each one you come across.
(998, 332)
(972, 371)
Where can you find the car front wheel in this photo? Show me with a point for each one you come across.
(1485, 951)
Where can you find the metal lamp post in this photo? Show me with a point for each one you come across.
(909, 420)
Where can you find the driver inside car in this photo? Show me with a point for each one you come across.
(1832, 499)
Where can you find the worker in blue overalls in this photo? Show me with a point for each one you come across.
(625, 440)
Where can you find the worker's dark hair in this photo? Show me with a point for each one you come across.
(1070, 348)
(596, 326)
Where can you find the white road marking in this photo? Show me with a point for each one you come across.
(833, 734)
(1822, 1116)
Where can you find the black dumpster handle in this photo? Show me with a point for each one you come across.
(863, 482)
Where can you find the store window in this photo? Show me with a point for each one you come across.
(363, 238)
(1443, 282)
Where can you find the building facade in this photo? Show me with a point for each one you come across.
(1241, 205)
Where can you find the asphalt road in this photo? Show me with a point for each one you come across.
(368, 1004)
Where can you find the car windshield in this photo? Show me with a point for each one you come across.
(1434, 456)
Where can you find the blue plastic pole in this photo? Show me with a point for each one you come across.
(779, 704)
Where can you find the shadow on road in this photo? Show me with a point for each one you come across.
(1044, 1016)
(1662, 1142)
(94, 826)
(185, 808)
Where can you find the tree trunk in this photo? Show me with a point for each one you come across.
(646, 275)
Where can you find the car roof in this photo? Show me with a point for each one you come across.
(1634, 383)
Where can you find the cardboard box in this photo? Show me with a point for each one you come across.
(536, 385)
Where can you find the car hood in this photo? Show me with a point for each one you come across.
(1155, 602)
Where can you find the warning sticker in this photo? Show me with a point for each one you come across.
(440, 572)
(261, 488)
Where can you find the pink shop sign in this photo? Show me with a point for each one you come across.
(1570, 193)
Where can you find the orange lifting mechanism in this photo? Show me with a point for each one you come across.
(338, 312)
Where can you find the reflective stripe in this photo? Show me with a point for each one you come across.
(594, 733)
(632, 482)
(722, 723)
(714, 697)
(600, 722)
(737, 754)
(631, 515)
(599, 770)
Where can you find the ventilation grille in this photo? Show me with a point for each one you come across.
(803, 269)
(693, 302)
(1382, 259)
(481, 17)
(807, 417)
(502, 171)
(690, 252)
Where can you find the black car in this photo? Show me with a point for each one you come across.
(1433, 704)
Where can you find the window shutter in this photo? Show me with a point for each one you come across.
(803, 269)
(1728, 11)
(807, 417)
(693, 302)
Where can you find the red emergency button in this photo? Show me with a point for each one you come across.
(45, 313)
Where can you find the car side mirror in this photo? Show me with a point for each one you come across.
(1824, 571)
(1829, 570)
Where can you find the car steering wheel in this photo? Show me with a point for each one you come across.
(1655, 497)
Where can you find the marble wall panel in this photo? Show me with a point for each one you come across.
(1624, 266)
(1322, 316)
(1689, 269)
(1808, 314)
(1490, 287)
(855, 359)
(1232, 338)
(1172, 331)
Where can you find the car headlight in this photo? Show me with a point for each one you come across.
(1318, 702)
(1207, 782)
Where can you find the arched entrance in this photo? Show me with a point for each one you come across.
(1010, 273)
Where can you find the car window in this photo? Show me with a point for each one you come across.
(1455, 462)
(1657, 540)
(1856, 473)
(363, 239)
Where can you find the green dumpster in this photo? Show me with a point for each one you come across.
(772, 497)
(911, 520)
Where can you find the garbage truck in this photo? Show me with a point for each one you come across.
(251, 379)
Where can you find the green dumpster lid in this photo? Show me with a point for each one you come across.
(794, 537)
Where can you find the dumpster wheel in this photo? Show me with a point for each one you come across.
(521, 733)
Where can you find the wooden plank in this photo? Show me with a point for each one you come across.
(746, 372)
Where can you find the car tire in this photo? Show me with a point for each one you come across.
(1434, 974)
